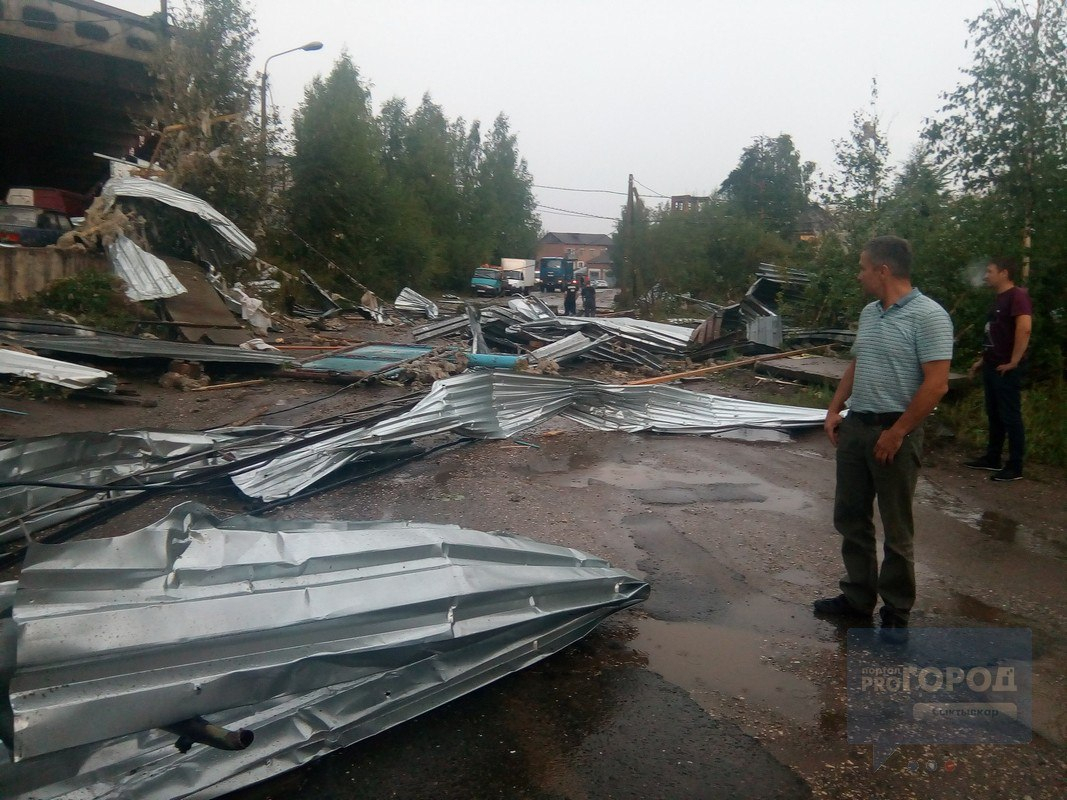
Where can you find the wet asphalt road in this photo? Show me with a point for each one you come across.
(722, 684)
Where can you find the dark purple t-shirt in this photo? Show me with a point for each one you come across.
(1000, 329)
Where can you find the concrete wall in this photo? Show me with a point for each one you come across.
(24, 271)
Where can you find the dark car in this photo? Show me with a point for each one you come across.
(31, 226)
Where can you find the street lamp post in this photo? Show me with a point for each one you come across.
(263, 95)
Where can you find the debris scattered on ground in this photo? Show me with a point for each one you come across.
(24, 364)
(87, 722)
(410, 300)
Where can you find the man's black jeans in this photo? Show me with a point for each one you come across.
(1003, 408)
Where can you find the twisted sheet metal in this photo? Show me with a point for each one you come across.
(49, 370)
(410, 300)
(496, 405)
(80, 459)
(314, 635)
(658, 337)
(140, 187)
(125, 347)
(146, 277)
(569, 347)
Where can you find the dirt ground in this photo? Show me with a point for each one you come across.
(723, 684)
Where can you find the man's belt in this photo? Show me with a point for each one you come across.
(881, 420)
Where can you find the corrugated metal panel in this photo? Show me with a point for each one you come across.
(146, 277)
(497, 405)
(274, 464)
(139, 187)
(130, 347)
(410, 300)
(49, 370)
(313, 635)
(568, 347)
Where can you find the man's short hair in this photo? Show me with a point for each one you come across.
(892, 251)
(1006, 264)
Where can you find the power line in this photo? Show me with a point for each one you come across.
(575, 213)
(654, 192)
(567, 189)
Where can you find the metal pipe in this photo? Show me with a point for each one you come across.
(199, 731)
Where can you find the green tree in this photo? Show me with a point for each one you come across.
(338, 200)
(1002, 138)
(862, 160)
(1002, 129)
(771, 183)
(504, 218)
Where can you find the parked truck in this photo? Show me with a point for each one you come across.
(520, 275)
(555, 273)
(488, 280)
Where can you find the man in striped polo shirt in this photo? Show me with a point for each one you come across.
(899, 373)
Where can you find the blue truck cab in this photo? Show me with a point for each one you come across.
(488, 280)
(555, 273)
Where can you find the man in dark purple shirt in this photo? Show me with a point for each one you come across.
(1003, 364)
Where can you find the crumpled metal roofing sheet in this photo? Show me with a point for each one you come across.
(443, 327)
(410, 300)
(496, 405)
(49, 370)
(104, 346)
(568, 347)
(656, 336)
(146, 277)
(90, 458)
(140, 187)
(314, 635)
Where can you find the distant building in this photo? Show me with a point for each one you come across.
(601, 268)
(813, 223)
(687, 202)
(585, 247)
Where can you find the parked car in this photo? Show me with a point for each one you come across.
(601, 284)
(31, 226)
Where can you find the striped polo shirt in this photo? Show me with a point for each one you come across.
(892, 345)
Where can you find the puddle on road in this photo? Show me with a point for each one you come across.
(716, 663)
(996, 526)
(653, 484)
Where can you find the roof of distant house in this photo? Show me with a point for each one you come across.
(603, 258)
(589, 239)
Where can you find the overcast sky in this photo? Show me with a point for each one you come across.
(670, 90)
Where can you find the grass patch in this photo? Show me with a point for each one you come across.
(95, 299)
(1044, 416)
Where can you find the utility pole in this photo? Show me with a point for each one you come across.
(628, 238)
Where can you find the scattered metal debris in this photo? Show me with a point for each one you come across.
(320, 633)
(153, 190)
(45, 482)
(410, 300)
(496, 405)
(115, 346)
(59, 373)
(146, 277)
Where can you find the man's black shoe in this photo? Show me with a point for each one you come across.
(894, 628)
(839, 607)
(983, 463)
(1007, 474)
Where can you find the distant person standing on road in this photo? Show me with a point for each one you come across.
(588, 300)
(570, 300)
(900, 372)
(1004, 364)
